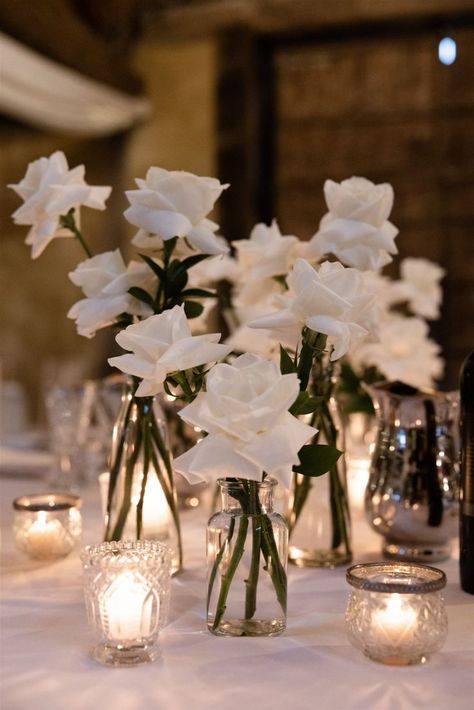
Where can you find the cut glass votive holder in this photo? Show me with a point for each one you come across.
(396, 614)
(47, 526)
(127, 593)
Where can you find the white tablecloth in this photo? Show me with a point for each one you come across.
(45, 641)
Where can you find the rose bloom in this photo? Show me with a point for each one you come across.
(332, 301)
(49, 190)
(421, 279)
(404, 352)
(266, 253)
(162, 344)
(105, 281)
(175, 203)
(250, 431)
(356, 228)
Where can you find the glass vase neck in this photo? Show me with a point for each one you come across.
(247, 496)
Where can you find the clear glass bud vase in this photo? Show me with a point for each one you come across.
(141, 501)
(318, 510)
(247, 548)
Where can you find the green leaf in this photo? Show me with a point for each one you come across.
(287, 366)
(304, 404)
(316, 459)
(168, 247)
(198, 293)
(176, 283)
(158, 270)
(189, 262)
(193, 309)
(141, 295)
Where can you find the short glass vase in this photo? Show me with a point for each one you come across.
(127, 591)
(247, 548)
(396, 614)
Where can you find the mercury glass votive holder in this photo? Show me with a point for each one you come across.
(127, 592)
(47, 526)
(396, 614)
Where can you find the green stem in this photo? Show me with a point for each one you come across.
(68, 221)
(146, 465)
(168, 489)
(252, 579)
(273, 562)
(301, 488)
(217, 561)
(128, 484)
(116, 465)
(337, 497)
(228, 576)
(166, 458)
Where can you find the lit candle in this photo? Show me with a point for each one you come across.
(156, 512)
(156, 516)
(357, 479)
(47, 526)
(395, 623)
(45, 536)
(129, 611)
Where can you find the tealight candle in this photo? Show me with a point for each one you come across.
(395, 614)
(47, 526)
(156, 516)
(127, 591)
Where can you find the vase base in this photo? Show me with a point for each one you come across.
(248, 627)
(416, 552)
(302, 557)
(125, 656)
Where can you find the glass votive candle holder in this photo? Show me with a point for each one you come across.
(127, 592)
(395, 613)
(47, 526)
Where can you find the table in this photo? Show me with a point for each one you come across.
(46, 641)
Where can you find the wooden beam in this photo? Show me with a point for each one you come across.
(280, 16)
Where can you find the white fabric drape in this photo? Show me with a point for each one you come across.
(48, 95)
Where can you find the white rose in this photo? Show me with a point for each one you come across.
(210, 271)
(245, 412)
(267, 252)
(251, 300)
(163, 344)
(105, 281)
(49, 190)
(404, 352)
(332, 301)
(356, 228)
(421, 281)
(171, 204)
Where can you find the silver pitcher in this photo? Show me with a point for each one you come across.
(413, 490)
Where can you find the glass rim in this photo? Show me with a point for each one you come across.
(409, 392)
(430, 579)
(268, 482)
(47, 502)
(116, 552)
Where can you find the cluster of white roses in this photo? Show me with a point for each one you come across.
(281, 284)
(281, 287)
(245, 405)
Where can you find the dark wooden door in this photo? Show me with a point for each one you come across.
(374, 102)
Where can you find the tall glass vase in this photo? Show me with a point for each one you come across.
(318, 510)
(247, 546)
(141, 493)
